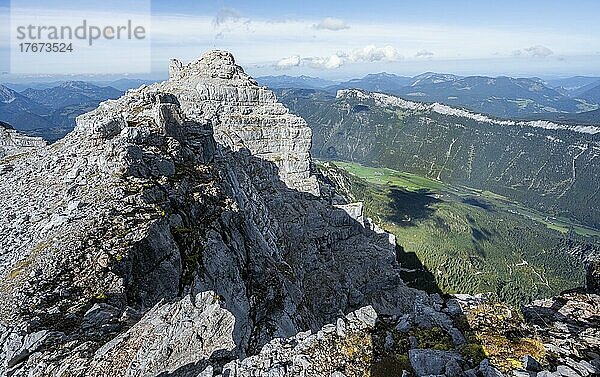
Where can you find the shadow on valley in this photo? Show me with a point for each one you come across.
(414, 273)
(478, 203)
(410, 206)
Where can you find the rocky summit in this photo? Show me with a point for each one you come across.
(180, 230)
(249, 116)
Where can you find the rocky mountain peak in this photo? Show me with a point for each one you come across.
(215, 64)
(249, 116)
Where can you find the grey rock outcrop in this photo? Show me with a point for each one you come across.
(12, 142)
(569, 326)
(176, 228)
(531, 364)
(169, 337)
(324, 353)
(427, 362)
(249, 115)
(488, 370)
(593, 274)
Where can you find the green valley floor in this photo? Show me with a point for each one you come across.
(461, 240)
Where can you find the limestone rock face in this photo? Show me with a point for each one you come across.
(568, 324)
(593, 274)
(13, 142)
(169, 337)
(249, 115)
(176, 229)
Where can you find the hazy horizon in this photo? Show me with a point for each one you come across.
(159, 76)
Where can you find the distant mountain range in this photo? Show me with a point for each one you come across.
(50, 112)
(591, 94)
(572, 86)
(547, 166)
(21, 112)
(497, 96)
(71, 93)
(379, 82)
(121, 84)
(48, 109)
(125, 84)
(501, 96)
(285, 81)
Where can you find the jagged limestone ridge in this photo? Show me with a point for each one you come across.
(141, 207)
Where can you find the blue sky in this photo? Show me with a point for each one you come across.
(534, 13)
(338, 40)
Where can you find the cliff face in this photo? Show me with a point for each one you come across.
(249, 116)
(175, 227)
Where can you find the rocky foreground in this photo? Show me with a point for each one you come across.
(181, 231)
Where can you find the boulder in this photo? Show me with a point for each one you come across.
(531, 364)
(488, 370)
(427, 362)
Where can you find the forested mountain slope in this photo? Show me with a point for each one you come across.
(547, 166)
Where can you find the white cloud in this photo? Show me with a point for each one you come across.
(267, 41)
(333, 24)
(263, 42)
(289, 62)
(372, 53)
(539, 51)
(366, 54)
(330, 62)
(229, 20)
(424, 54)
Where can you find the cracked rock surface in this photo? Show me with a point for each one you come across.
(13, 142)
